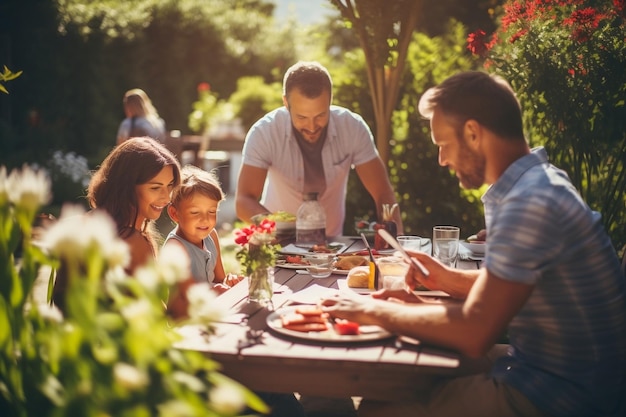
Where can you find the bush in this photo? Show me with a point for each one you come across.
(566, 62)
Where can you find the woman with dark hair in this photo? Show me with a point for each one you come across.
(133, 185)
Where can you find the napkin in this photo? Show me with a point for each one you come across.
(312, 295)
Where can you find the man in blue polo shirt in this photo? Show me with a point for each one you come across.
(551, 278)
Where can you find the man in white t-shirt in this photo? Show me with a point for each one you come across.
(307, 146)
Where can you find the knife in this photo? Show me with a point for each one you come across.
(394, 244)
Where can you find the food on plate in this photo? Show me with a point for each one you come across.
(329, 248)
(281, 216)
(305, 320)
(358, 277)
(364, 252)
(345, 327)
(296, 259)
(348, 262)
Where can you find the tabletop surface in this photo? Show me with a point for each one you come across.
(385, 369)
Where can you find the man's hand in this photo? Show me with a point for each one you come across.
(351, 307)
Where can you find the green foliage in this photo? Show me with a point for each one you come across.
(253, 98)
(113, 350)
(5, 76)
(428, 194)
(95, 51)
(566, 61)
(251, 101)
(204, 109)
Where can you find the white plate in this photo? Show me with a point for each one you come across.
(475, 248)
(343, 285)
(303, 268)
(368, 333)
(292, 249)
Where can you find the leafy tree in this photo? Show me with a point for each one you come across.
(95, 51)
(254, 98)
(384, 30)
(427, 193)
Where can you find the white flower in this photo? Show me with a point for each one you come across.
(62, 237)
(190, 381)
(148, 277)
(173, 264)
(77, 232)
(115, 275)
(175, 408)
(202, 306)
(28, 189)
(50, 313)
(100, 230)
(138, 311)
(129, 377)
(226, 399)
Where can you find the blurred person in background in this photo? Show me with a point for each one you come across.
(142, 118)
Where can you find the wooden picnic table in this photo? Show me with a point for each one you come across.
(379, 369)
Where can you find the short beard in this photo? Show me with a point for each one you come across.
(476, 178)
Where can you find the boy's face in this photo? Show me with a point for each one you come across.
(196, 217)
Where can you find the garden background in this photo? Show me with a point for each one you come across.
(77, 60)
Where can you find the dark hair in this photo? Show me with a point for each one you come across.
(310, 78)
(133, 162)
(196, 180)
(476, 95)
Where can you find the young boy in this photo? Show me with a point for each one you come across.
(194, 206)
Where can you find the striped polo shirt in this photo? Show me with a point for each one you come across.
(568, 342)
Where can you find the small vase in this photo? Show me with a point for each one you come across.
(260, 286)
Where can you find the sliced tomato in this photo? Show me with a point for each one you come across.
(295, 259)
(345, 327)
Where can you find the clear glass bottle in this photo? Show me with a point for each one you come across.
(311, 221)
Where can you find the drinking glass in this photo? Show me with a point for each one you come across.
(392, 272)
(320, 265)
(446, 244)
(410, 243)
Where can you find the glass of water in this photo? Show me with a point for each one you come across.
(446, 244)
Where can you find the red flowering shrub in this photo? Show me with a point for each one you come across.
(566, 59)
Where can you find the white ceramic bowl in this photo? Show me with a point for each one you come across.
(476, 247)
(285, 226)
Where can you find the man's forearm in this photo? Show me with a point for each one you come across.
(247, 208)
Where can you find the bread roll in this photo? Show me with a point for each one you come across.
(358, 277)
(346, 263)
